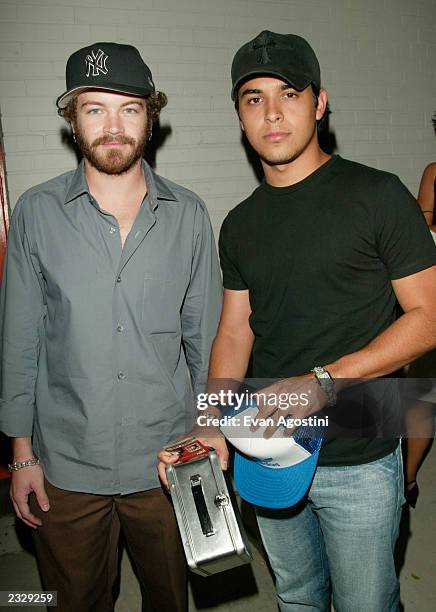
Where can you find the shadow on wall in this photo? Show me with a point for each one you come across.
(160, 134)
(326, 137)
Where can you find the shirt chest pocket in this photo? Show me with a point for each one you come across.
(162, 302)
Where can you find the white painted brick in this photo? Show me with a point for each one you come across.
(201, 154)
(10, 144)
(154, 34)
(207, 36)
(373, 148)
(26, 32)
(355, 103)
(132, 34)
(45, 123)
(224, 134)
(343, 117)
(23, 69)
(11, 89)
(13, 125)
(102, 33)
(54, 141)
(19, 161)
(96, 16)
(26, 106)
(188, 137)
(200, 119)
(47, 51)
(58, 67)
(83, 3)
(57, 161)
(180, 35)
(30, 142)
(377, 59)
(372, 118)
(128, 4)
(178, 18)
(427, 36)
(45, 14)
(10, 50)
(77, 34)
(45, 87)
(8, 12)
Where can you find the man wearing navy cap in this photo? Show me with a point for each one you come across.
(110, 300)
(314, 261)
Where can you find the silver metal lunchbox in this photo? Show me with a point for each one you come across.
(209, 523)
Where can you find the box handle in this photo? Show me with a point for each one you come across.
(200, 505)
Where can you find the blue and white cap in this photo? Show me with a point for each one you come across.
(276, 472)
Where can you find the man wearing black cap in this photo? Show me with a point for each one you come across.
(313, 263)
(110, 300)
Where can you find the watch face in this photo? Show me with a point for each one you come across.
(321, 373)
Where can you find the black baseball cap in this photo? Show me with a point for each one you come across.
(287, 56)
(110, 66)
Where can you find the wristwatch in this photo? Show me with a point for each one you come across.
(326, 383)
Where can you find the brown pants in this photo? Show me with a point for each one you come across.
(77, 549)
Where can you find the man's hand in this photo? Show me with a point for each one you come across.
(24, 482)
(296, 397)
(209, 436)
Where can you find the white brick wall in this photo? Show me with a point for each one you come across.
(377, 57)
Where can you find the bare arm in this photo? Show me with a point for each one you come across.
(412, 335)
(232, 346)
(426, 195)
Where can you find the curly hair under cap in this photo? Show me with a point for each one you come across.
(155, 103)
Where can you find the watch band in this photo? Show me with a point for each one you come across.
(326, 383)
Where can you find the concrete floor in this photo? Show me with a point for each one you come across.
(250, 588)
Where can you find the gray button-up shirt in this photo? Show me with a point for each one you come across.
(102, 344)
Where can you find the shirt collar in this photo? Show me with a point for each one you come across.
(156, 186)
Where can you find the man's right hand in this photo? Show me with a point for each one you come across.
(24, 482)
(209, 436)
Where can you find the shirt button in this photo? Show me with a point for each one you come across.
(121, 376)
(112, 230)
(120, 327)
(118, 279)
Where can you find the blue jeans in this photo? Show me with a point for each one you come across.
(344, 535)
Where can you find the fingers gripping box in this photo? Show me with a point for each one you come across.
(209, 522)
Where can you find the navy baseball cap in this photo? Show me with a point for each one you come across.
(286, 56)
(276, 472)
(109, 66)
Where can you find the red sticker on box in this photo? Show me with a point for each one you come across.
(188, 449)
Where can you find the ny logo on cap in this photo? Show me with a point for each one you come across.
(96, 63)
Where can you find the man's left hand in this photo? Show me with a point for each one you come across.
(290, 398)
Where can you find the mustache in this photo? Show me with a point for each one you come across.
(108, 139)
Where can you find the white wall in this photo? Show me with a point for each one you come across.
(377, 59)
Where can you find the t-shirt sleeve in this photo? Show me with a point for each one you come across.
(403, 238)
(232, 277)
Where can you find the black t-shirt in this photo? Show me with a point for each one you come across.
(317, 258)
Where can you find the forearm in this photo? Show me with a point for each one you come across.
(410, 336)
(21, 449)
(228, 363)
(229, 357)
